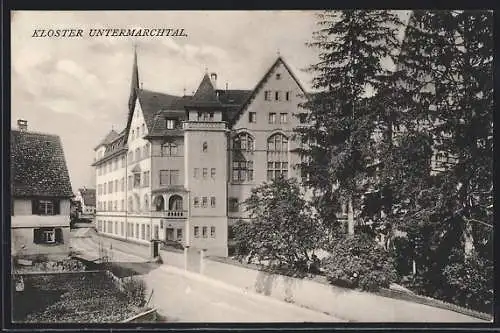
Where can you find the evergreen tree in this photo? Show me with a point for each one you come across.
(344, 114)
(444, 88)
(447, 83)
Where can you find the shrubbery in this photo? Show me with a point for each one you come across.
(359, 262)
(471, 283)
(135, 291)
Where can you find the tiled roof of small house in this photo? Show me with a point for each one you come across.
(88, 195)
(38, 165)
(112, 135)
(152, 102)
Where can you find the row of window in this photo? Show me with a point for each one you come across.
(114, 164)
(204, 202)
(277, 95)
(137, 230)
(204, 231)
(111, 205)
(204, 174)
(244, 142)
(139, 153)
(137, 132)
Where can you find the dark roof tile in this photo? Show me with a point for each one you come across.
(38, 165)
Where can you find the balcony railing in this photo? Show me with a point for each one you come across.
(203, 125)
(169, 213)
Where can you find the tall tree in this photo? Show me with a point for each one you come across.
(354, 49)
(447, 83)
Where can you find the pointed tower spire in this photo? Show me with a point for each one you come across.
(134, 83)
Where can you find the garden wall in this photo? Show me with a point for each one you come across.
(318, 295)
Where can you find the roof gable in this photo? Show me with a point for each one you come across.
(38, 165)
(260, 85)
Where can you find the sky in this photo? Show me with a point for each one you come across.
(78, 88)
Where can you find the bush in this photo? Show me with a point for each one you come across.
(135, 291)
(471, 283)
(359, 262)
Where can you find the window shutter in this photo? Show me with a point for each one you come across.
(57, 207)
(34, 207)
(37, 236)
(59, 236)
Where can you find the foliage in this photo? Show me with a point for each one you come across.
(85, 297)
(471, 283)
(135, 291)
(281, 229)
(359, 262)
(345, 113)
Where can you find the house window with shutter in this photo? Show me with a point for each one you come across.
(48, 236)
(45, 207)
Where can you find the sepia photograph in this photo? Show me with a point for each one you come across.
(326, 166)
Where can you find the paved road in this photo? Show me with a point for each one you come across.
(192, 298)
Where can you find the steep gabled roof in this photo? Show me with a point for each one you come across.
(152, 102)
(110, 137)
(38, 166)
(205, 95)
(88, 196)
(261, 83)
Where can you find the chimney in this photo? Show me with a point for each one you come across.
(213, 78)
(22, 124)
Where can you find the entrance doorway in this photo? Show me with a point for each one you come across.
(169, 233)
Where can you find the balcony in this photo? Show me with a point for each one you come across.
(170, 214)
(205, 125)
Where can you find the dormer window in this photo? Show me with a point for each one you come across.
(170, 123)
(278, 76)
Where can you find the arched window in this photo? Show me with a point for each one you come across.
(242, 166)
(146, 202)
(205, 147)
(159, 203)
(130, 207)
(243, 142)
(277, 156)
(175, 202)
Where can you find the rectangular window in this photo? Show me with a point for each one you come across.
(212, 202)
(47, 236)
(212, 173)
(104, 188)
(116, 227)
(179, 235)
(137, 180)
(196, 202)
(283, 118)
(123, 161)
(164, 177)
(116, 185)
(122, 184)
(287, 95)
(205, 172)
(122, 206)
(174, 177)
(148, 232)
(116, 163)
(104, 203)
(110, 227)
(204, 232)
(196, 231)
(137, 231)
(196, 172)
(272, 118)
(267, 95)
(143, 232)
(212, 231)
(45, 207)
(233, 204)
(116, 205)
(110, 187)
(204, 202)
(122, 225)
(252, 117)
(169, 149)
(277, 96)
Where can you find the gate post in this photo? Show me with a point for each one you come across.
(202, 260)
(186, 248)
